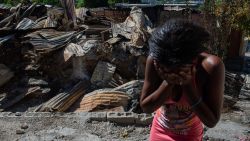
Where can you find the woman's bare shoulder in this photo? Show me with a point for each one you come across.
(212, 63)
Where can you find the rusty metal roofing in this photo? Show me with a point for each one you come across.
(47, 40)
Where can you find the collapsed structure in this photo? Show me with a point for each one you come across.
(67, 59)
(58, 55)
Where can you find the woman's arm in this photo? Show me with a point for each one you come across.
(209, 109)
(154, 91)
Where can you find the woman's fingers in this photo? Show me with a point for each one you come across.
(178, 76)
(186, 69)
(174, 78)
(186, 77)
(183, 75)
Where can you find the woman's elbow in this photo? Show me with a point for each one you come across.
(212, 123)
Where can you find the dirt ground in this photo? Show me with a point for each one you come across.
(67, 129)
(233, 126)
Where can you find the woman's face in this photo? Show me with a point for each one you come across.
(172, 73)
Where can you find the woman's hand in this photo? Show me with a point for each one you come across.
(165, 74)
(179, 76)
(187, 74)
(154, 91)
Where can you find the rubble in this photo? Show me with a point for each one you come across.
(61, 60)
(20, 131)
(103, 74)
(5, 74)
(132, 88)
(17, 95)
(24, 126)
(233, 84)
(54, 15)
(45, 41)
(136, 27)
(37, 82)
(233, 89)
(109, 44)
(100, 100)
(82, 13)
(68, 57)
(62, 101)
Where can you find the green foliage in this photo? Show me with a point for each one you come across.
(50, 2)
(10, 2)
(224, 16)
(15, 2)
(80, 3)
(112, 2)
(242, 17)
(235, 12)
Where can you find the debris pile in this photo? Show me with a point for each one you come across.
(54, 57)
(5, 74)
(233, 84)
(63, 101)
(245, 91)
(102, 100)
(61, 59)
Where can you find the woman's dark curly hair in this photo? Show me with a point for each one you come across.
(177, 42)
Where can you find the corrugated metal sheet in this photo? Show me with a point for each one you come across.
(30, 24)
(47, 40)
(5, 38)
(25, 24)
(101, 100)
(40, 22)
